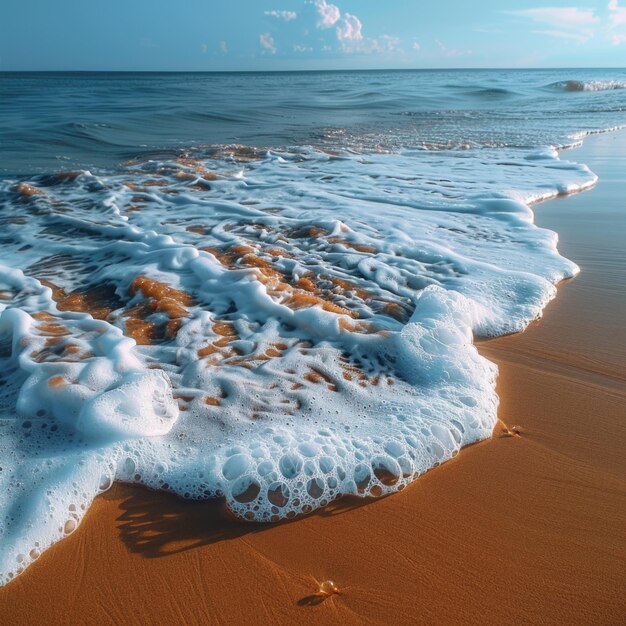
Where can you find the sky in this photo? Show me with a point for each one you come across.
(217, 35)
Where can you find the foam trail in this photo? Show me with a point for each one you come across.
(277, 328)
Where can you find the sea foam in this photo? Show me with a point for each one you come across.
(277, 328)
(589, 85)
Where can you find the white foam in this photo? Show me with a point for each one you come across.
(591, 85)
(286, 403)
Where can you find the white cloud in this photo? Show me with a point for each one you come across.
(386, 43)
(561, 34)
(567, 22)
(204, 48)
(299, 48)
(578, 24)
(267, 42)
(329, 14)
(282, 15)
(617, 20)
(349, 31)
(561, 17)
(349, 28)
(617, 15)
(451, 52)
(223, 47)
(416, 45)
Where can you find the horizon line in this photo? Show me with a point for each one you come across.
(311, 70)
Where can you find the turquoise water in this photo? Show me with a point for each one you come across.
(50, 121)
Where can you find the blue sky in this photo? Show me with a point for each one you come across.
(309, 34)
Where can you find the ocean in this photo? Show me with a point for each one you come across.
(266, 287)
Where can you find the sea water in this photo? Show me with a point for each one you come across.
(266, 287)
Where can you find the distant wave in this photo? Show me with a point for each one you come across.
(491, 92)
(590, 85)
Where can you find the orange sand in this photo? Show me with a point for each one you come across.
(517, 529)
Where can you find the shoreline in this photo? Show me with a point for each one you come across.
(514, 529)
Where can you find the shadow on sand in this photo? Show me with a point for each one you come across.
(157, 524)
(312, 600)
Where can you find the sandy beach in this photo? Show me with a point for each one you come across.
(524, 528)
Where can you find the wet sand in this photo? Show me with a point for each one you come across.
(517, 529)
